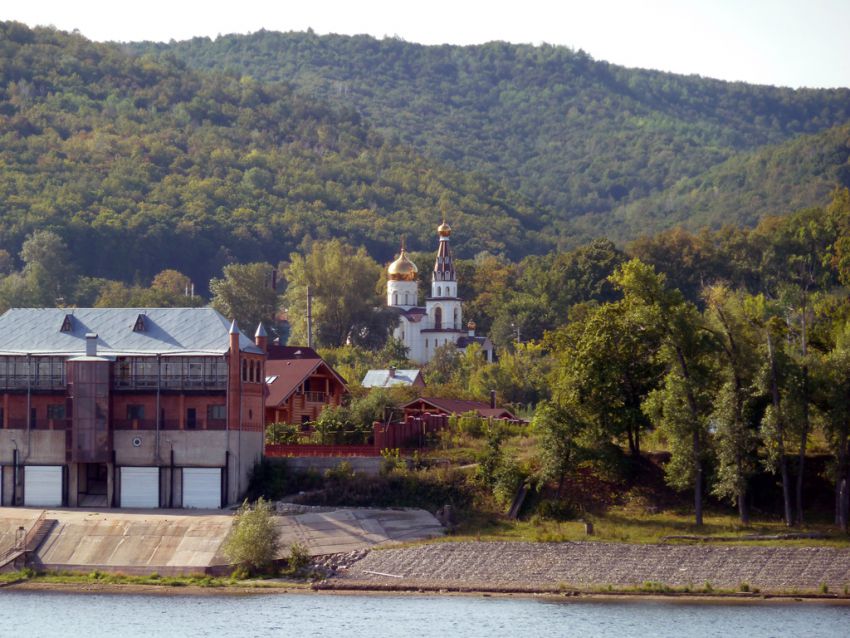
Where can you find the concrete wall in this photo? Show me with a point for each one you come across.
(370, 465)
(40, 447)
(191, 449)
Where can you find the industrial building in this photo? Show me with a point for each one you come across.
(126, 407)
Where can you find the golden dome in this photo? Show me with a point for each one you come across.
(444, 230)
(402, 269)
(471, 326)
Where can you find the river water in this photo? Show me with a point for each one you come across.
(36, 614)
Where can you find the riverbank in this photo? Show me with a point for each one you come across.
(562, 570)
(589, 567)
(300, 588)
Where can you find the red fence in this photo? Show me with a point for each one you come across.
(411, 434)
(322, 450)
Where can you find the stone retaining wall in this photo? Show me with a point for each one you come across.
(516, 566)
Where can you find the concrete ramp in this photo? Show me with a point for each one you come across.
(130, 542)
(176, 542)
(336, 531)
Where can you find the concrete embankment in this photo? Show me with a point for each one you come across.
(179, 542)
(516, 566)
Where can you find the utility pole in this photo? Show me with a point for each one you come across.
(309, 318)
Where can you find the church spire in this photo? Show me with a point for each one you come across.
(444, 269)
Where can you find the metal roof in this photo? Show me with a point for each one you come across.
(382, 378)
(166, 331)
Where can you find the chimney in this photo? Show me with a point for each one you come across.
(234, 341)
(261, 339)
(493, 399)
(91, 344)
(392, 372)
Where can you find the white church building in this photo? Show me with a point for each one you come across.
(422, 329)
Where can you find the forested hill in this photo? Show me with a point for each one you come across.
(141, 164)
(580, 137)
(772, 180)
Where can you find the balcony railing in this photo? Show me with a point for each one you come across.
(316, 397)
(149, 382)
(20, 382)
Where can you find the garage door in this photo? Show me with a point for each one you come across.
(43, 485)
(139, 487)
(202, 487)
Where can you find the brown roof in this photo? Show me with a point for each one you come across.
(291, 352)
(287, 374)
(459, 406)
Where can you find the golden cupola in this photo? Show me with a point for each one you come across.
(444, 230)
(402, 269)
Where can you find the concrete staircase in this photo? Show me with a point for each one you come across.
(31, 541)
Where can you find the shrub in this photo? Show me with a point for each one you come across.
(282, 433)
(299, 558)
(392, 461)
(271, 479)
(253, 543)
(342, 473)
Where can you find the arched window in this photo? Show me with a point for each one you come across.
(244, 369)
(439, 291)
(395, 298)
(438, 318)
(406, 299)
(457, 318)
(426, 344)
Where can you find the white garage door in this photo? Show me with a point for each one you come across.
(43, 485)
(202, 487)
(139, 487)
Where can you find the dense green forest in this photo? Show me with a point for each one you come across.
(604, 149)
(140, 164)
(729, 349)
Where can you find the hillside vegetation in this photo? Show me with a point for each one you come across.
(581, 138)
(141, 164)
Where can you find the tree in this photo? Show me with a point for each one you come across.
(245, 293)
(253, 541)
(733, 407)
(48, 268)
(607, 364)
(345, 301)
(559, 433)
(682, 404)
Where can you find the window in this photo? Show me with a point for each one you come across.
(191, 418)
(244, 370)
(457, 319)
(305, 422)
(439, 291)
(32, 417)
(438, 318)
(216, 412)
(135, 412)
(56, 412)
(395, 298)
(406, 299)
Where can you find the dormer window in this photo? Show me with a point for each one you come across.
(67, 324)
(139, 326)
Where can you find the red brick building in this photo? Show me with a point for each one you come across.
(300, 385)
(119, 407)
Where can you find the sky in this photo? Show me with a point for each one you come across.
(797, 43)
